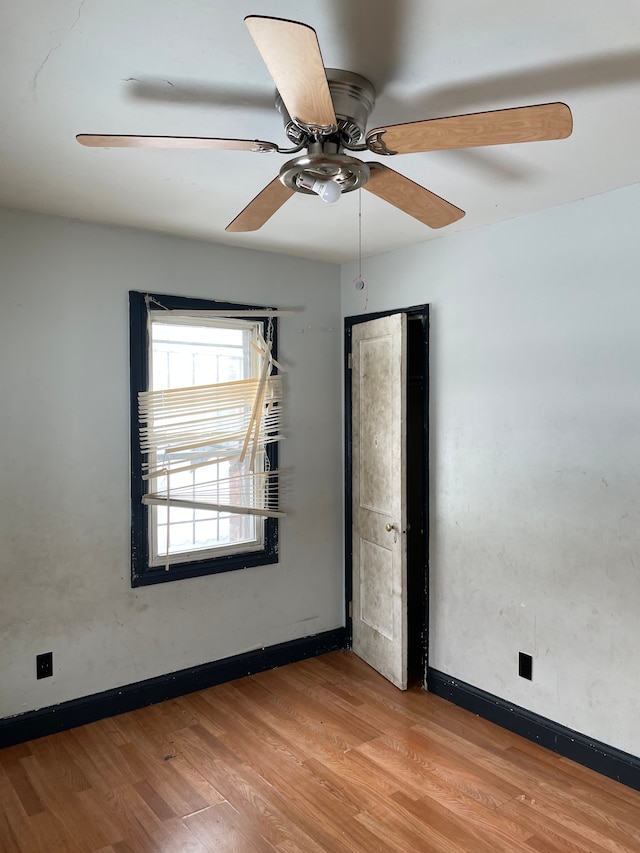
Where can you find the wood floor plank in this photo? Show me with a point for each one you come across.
(161, 809)
(52, 836)
(581, 777)
(549, 844)
(354, 776)
(304, 736)
(269, 752)
(135, 821)
(440, 797)
(558, 827)
(56, 753)
(456, 772)
(54, 774)
(183, 840)
(353, 711)
(17, 776)
(322, 756)
(450, 755)
(135, 727)
(350, 724)
(308, 808)
(277, 760)
(588, 797)
(89, 833)
(496, 762)
(8, 840)
(99, 761)
(242, 787)
(93, 807)
(603, 816)
(221, 829)
(591, 826)
(195, 780)
(284, 708)
(164, 782)
(466, 825)
(16, 835)
(14, 753)
(200, 707)
(395, 828)
(408, 817)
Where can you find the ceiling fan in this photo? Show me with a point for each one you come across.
(325, 113)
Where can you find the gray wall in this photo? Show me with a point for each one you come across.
(64, 470)
(535, 458)
(535, 454)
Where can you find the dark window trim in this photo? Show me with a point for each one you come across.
(141, 573)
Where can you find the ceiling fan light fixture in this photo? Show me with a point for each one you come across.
(325, 174)
(328, 190)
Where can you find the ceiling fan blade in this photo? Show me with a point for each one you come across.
(94, 140)
(262, 207)
(405, 194)
(292, 55)
(498, 127)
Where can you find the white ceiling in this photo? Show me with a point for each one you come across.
(189, 67)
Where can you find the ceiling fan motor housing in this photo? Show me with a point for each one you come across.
(353, 99)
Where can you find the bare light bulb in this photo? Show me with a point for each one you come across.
(328, 191)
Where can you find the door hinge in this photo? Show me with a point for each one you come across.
(349, 361)
(350, 609)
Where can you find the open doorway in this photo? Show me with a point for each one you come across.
(415, 432)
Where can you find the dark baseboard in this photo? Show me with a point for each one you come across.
(88, 709)
(591, 753)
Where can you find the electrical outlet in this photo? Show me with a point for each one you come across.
(525, 666)
(44, 665)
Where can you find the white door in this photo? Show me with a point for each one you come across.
(378, 423)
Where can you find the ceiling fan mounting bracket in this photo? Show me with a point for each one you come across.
(353, 99)
(261, 147)
(315, 131)
(375, 142)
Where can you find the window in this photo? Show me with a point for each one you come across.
(203, 463)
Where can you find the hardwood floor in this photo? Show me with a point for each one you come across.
(322, 755)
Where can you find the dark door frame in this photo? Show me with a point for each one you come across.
(421, 312)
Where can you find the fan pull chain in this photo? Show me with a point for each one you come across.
(360, 234)
(360, 283)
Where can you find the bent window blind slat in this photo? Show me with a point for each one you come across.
(220, 432)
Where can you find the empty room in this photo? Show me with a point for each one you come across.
(320, 441)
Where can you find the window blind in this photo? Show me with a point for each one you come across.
(219, 431)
